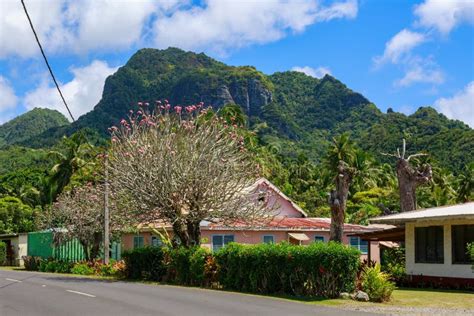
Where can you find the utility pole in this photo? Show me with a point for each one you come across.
(106, 213)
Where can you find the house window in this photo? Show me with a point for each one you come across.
(138, 241)
(461, 236)
(156, 241)
(319, 238)
(219, 241)
(362, 245)
(268, 239)
(429, 243)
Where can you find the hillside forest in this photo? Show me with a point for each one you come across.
(296, 127)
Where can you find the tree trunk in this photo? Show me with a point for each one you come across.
(338, 201)
(194, 233)
(96, 246)
(188, 232)
(85, 248)
(408, 180)
(181, 231)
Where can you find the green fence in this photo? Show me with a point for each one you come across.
(40, 244)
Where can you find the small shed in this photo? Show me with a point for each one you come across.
(16, 247)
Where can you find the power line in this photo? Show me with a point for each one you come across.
(46, 59)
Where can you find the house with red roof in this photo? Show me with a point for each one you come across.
(290, 224)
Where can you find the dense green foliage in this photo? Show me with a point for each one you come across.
(145, 263)
(376, 284)
(291, 121)
(187, 266)
(15, 217)
(56, 266)
(320, 269)
(393, 263)
(290, 111)
(3, 253)
(29, 125)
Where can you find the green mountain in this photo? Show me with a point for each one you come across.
(290, 111)
(29, 125)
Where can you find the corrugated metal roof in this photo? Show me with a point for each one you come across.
(465, 210)
(288, 223)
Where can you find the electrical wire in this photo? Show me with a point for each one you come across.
(46, 59)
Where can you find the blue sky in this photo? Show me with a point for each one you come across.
(399, 54)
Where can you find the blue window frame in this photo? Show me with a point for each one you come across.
(319, 238)
(268, 239)
(219, 241)
(138, 241)
(362, 245)
(156, 241)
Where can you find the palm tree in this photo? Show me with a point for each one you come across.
(341, 149)
(465, 192)
(74, 156)
(340, 159)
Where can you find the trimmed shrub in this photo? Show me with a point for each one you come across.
(3, 253)
(56, 266)
(188, 266)
(145, 263)
(320, 269)
(32, 263)
(377, 284)
(82, 268)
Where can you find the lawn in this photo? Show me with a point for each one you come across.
(411, 298)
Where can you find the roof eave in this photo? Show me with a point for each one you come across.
(398, 221)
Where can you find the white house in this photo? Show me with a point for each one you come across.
(435, 241)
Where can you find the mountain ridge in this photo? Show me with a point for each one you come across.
(290, 110)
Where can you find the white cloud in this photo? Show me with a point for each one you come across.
(460, 106)
(444, 15)
(15, 33)
(421, 70)
(77, 26)
(400, 45)
(8, 100)
(339, 10)
(80, 26)
(313, 72)
(81, 93)
(220, 25)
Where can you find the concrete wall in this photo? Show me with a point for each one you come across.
(447, 269)
(22, 248)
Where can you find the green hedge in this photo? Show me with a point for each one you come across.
(187, 266)
(145, 263)
(3, 253)
(320, 269)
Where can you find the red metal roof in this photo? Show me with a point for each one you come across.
(289, 223)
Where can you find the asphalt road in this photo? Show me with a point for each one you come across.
(29, 293)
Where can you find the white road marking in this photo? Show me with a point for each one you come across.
(43, 285)
(13, 280)
(80, 293)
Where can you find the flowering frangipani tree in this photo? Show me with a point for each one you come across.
(79, 214)
(182, 165)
